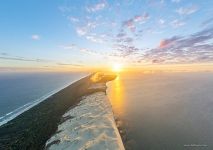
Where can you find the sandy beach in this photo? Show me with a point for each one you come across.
(90, 125)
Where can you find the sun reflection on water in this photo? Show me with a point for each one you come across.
(116, 95)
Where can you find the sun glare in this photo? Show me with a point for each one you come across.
(117, 68)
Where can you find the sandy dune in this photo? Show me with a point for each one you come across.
(89, 125)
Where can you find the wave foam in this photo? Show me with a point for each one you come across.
(11, 115)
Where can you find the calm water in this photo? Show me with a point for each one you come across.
(20, 91)
(164, 111)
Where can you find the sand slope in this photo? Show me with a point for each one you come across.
(89, 125)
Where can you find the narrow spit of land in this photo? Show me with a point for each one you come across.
(33, 128)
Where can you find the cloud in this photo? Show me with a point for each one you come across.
(168, 42)
(96, 7)
(120, 35)
(123, 38)
(88, 51)
(131, 23)
(91, 24)
(157, 61)
(161, 21)
(177, 23)
(81, 31)
(126, 39)
(124, 43)
(187, 10)
(69, 64)
(37, 60)
(207, 22)
(4, 54)
(17, 58)
(85, 29)
(94, 38)
(73, 19)
(81, 49)
(196, 47)
(35, 37)
(125, 50)
(71, 46)
(141, 18)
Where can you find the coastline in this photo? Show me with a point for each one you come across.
(16, 112)
(31, 129)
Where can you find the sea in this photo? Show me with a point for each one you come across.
(164, 111)
(20, 91)
(153, 111)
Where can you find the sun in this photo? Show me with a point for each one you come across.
(117, 67)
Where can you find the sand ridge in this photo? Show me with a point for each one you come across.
(90, 125)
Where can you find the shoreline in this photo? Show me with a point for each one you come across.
(31, 129)
(18, 111)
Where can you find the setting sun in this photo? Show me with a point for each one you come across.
(117, 68)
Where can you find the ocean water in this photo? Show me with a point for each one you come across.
(164, 111)
(21, 91)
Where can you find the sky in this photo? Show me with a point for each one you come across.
(74, 34)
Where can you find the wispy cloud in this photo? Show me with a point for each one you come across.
(137, 19)
(71, 46)
(161, 21)
(73, 19)
(177, 23)
(35, 37)
(86, 28)
(207, 22)
(187, 10)
(94, 38)
(80, 49)
(81, 31)
(141, 18)
(17, 58)
(36, 60)
(96, 7)
(88, 51)
(70, 64)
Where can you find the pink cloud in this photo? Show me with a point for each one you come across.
(131, 23)
(167, 42)
(164, 43)
(141, 18)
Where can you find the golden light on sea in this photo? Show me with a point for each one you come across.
(116, 96)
